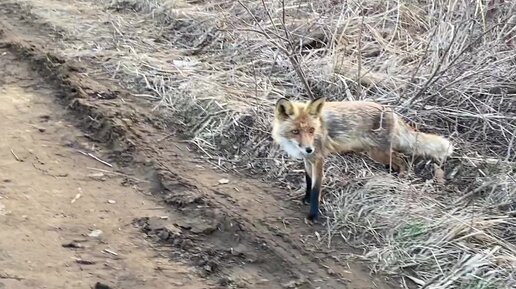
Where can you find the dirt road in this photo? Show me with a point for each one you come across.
(94, 188)
(54, 201)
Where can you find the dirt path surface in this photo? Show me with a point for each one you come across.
(198, 232)
(54, 201)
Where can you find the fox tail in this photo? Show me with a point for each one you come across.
(424, 144)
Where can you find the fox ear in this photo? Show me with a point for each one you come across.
(284, 108)
(315, 106)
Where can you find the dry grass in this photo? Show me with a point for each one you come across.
(448, 66)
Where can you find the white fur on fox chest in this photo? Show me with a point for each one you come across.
(290, 148)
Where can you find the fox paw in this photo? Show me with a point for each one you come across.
(311, 218)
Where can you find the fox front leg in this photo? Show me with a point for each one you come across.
(315, 194)
(308, 181)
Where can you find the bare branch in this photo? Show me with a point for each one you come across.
(290, 53)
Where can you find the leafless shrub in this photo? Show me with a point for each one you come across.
(448, 66)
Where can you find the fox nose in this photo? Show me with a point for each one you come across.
(309, 150)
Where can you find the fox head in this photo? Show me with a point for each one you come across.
(297, 125)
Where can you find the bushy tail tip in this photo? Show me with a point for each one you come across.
(434, 146)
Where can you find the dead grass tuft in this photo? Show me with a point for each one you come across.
(448, 66)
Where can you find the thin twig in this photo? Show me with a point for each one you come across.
(15, 156)
(96, 158)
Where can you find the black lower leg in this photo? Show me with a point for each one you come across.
(314, 204)
(308, 180)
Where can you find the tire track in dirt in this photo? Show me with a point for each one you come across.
(53, 198)
(199, 240)
(190, 234)
(251, 217)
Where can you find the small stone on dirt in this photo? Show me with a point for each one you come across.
(157, 224)
(97, 176)
(208, 268)
(44, 118)
(225, 281)
(111, 201)
(197, 227)
(85, 262)
(95, 233)
(186, 244)
(163, 235)
(72, 245)
(78, 196)
(296, 284)
(290, 285)
(223, 181)
(99, 285)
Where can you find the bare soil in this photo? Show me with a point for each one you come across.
(52, 197)
(80, 154)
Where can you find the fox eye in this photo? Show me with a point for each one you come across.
(312, 130)
(295, 131)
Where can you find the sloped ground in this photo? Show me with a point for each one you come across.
(81, 154)
(52, 198)
(449, 67)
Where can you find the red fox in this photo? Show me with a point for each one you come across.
(313, 130)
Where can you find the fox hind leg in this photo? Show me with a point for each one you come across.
(390, 159)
